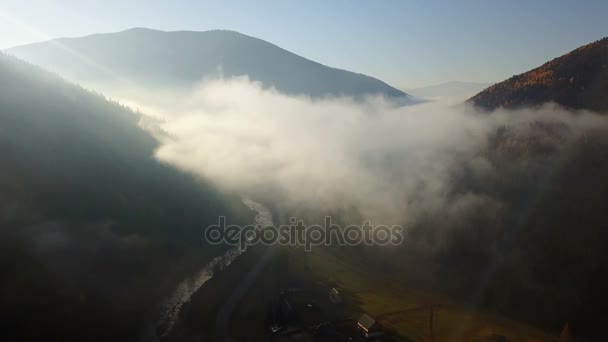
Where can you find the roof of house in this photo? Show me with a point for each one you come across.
(366, 321)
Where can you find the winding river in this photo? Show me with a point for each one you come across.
(172, 306)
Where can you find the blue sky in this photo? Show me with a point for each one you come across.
(405, 43)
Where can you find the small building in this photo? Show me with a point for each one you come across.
(369, 327)
(334, 296)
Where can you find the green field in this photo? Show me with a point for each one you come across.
(405, 313)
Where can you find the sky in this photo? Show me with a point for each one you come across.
(407, 44)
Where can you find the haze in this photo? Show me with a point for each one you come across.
(131, 133)
(395, 41)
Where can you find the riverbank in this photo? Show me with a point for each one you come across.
(171, 308)
(198, 318)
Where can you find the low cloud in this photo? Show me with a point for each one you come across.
(390, 162)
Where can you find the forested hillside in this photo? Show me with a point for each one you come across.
(576, 80)
(93, 230)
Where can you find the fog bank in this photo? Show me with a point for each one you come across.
(390, 162)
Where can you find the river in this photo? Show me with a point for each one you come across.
(172, 306)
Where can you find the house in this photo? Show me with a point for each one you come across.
(334, 296)
(369, 327)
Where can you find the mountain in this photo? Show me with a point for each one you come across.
(183, 58)
(449, 89)
(93, 230)
(576, 80)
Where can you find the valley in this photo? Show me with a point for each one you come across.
(403, 312)
(234, 171)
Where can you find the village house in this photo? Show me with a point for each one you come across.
(369, 327)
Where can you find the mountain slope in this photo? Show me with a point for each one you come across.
(576, 80)
(156, 58)
(93, 230)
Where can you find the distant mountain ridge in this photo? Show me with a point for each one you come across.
(452, 89)
(576, 80)
(182, 58)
